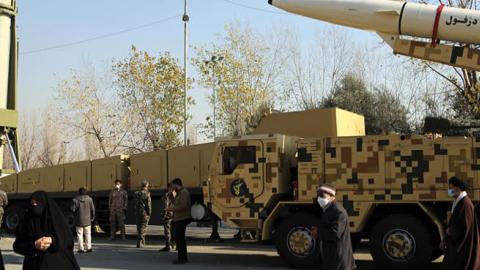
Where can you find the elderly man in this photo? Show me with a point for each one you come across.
(462, 239)
(333, 233)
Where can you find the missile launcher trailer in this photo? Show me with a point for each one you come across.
(98, 176)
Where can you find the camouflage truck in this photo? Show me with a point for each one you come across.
(394, 188)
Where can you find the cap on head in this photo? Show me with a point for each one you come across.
(145, 183)
(327, 189)
(454, 181)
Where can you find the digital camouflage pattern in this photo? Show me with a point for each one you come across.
(366, 171)
(386, 169)
(143, 203)
(168, 200)
(463, 57)
(143, 211)
(238, 198)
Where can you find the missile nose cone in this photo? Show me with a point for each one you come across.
(270, 1)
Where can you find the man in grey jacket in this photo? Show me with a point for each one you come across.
(84, 212)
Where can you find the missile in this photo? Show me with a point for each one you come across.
(393, 19)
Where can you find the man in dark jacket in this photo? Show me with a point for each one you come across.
(181, 218)
(84, 212)
(461, 242)
(117, 204)
(333, 233)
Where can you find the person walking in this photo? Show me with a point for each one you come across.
(143, 211)
(461, 243)
(118, 204)
(84, 212)
(181, 218)
(43, 236)
(333, 232)
(168, 200)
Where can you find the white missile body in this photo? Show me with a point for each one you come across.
(392, 17)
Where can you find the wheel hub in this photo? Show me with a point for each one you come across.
(12, 221)
(399, 245)
(300, 242)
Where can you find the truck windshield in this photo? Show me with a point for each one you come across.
(232, 156)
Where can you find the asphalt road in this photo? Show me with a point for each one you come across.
(123, 255)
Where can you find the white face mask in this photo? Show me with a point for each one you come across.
(322, 201)
(451, 193)
(117, 186)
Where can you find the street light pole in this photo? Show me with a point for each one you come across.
(214, 103)
(213, 62)
(185, 20)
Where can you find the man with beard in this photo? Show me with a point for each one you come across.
(461, 243)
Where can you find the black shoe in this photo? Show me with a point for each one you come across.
(89, 250)
(81, 251)
(180, 261)
(165, 249)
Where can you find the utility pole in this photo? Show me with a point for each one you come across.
(185, 20)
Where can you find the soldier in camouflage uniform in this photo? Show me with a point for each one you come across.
(168, 200)
(3, 204)
(143, 210)
(117, 203)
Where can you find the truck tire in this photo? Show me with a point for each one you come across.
(294, 242)
(12, 217)
(401, 241)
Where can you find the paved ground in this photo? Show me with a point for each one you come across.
(122, 255)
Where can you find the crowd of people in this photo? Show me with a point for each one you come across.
(46, 241)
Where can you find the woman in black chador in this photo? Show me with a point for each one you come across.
(43, 237)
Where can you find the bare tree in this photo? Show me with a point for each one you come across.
(312, 73)
(28, 135)
(88, 110)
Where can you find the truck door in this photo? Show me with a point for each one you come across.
(240, 174)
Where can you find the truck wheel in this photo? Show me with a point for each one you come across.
(401, 242)
(294, 242)
(12, 217)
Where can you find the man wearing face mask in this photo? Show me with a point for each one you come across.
(118, 203)
(333, 233)
(461, 243)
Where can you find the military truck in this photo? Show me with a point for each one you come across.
(190, 163)
(63, 181)
(394, 188)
